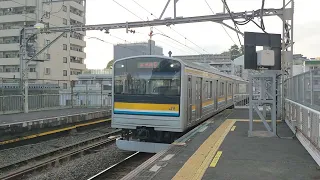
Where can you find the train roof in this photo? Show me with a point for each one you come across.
(198, 66)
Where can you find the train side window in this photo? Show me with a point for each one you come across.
(189, 87)
(210, 90)
(222, 89)
(207, 90)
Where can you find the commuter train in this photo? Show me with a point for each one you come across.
(157, 98)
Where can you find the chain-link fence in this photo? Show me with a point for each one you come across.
(54, 94)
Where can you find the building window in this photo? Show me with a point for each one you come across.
(65, 35)
(65, 86)
(65, 60)
(47, 14)
(65, 47)
(47, 42)
(65, 73)
(48, 56)
(64, 8)
(47, 71)
(65, 21)
(33, 69)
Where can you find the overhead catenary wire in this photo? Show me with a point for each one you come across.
(174, 42)
(155, 27)
(93, 37)
(42, 11)
(170, 27)
(221, 24)
(233, 20)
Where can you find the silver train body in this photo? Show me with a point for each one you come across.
(157, 98)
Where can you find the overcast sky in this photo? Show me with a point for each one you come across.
(209, 36)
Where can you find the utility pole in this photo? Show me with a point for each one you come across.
(150, 44)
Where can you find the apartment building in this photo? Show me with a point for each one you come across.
(64, 60)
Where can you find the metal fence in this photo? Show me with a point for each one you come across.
(304, 89)
(302, 113)
(49, 94)
(241, 100)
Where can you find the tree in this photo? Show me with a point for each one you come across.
(109, 65)
(235, 51)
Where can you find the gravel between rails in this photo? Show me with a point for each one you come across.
(84, 167)
(17, 154)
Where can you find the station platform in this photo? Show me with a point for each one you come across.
(20, 122)
(220, 149)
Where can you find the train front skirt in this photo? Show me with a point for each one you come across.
(147, 147)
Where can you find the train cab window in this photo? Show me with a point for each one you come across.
(147, 76)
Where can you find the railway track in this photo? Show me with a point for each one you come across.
(122, 168)
(56, 156)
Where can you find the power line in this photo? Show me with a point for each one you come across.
(235, 22)
(171, 27)
(221, 24)
(155, 27)
(145, 9)
(175, 42)
(93, 37)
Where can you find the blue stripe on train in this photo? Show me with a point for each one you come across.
(173, 114)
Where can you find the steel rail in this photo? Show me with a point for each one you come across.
(55, 156)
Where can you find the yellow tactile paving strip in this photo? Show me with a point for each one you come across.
(197, 164)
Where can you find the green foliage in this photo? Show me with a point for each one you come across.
(109, 65)
(236, 51)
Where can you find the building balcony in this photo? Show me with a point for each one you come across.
(17, 3)
(10, 75)
(78, 54)
(9, 61)
(13, 61)
(77, 42)
(73, 77)
(76, 5)
(17, 17)
(9, 32)
(76, 17)
(9, 47)
(77, 66)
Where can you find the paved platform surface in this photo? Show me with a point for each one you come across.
(22, 117)
(13, 124)
(221, 149)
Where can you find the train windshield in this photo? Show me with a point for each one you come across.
(147, 76)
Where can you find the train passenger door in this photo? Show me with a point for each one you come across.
(189, 100)
(198, 98)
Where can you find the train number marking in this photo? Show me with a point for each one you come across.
(172, 108)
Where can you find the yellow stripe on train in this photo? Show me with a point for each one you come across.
(209, 102)
(146, 106)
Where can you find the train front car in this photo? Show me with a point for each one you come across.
(146, 102)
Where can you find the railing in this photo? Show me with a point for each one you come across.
(241, 100)
(305, 122)
(302, 112)
(48, 94)
(13, 103)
